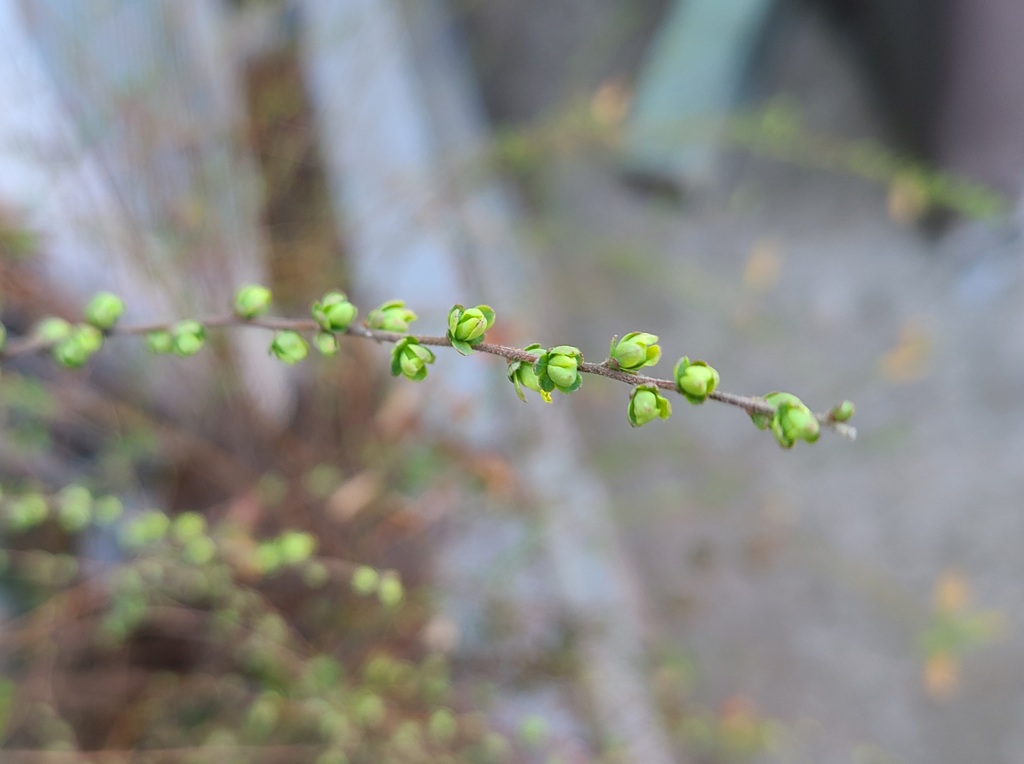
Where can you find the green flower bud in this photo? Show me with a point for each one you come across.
(252, 301)
(562, 370)
(334, 312)
(762, 421)
(410, 359)
(466, 327)
(73, 517)
(842, 412)
(695, 380)
(104, 310)
(365, 580)
(27, 511)
(521, 374)
(268, 557)
(89, 337)
(70, 353)
(792, 423)
(3, 335)
(534, 730)
(75, 349)
(52, 329)
(635, 350)
(792, 420)
(647, 404)
(147, 528)
(289, 347)
(74, 508)
(188, 337)
(200, 550)
(370, 711)
(392, 316)
(442, 726)
(558, 368)
(187, 526)
(108, 509)
(326, 343)
(263, 714)
(159, 341)
(296, 547)
(390, 591)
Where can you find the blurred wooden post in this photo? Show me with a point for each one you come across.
(403, 132)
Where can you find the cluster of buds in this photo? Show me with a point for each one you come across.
(544, 371)
(73, 508)
(78, 346)
(559, 368)
(73, 344)
(333, 313)
(185, 338)
(189, 337)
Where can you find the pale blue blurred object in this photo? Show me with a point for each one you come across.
(693, 74)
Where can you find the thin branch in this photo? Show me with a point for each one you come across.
(279, 752)
(752, 405)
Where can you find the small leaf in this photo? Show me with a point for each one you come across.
(453, 319)
(464, 348)
(488, 314)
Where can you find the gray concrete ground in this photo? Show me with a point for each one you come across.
(804, 580)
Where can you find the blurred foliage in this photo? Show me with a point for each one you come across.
(776, 130)
(954, 630)
(176, 632)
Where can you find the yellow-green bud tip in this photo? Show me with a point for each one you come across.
(252, 301)
(104, 310)
(289, 347)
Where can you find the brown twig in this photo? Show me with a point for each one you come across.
(752, 405)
